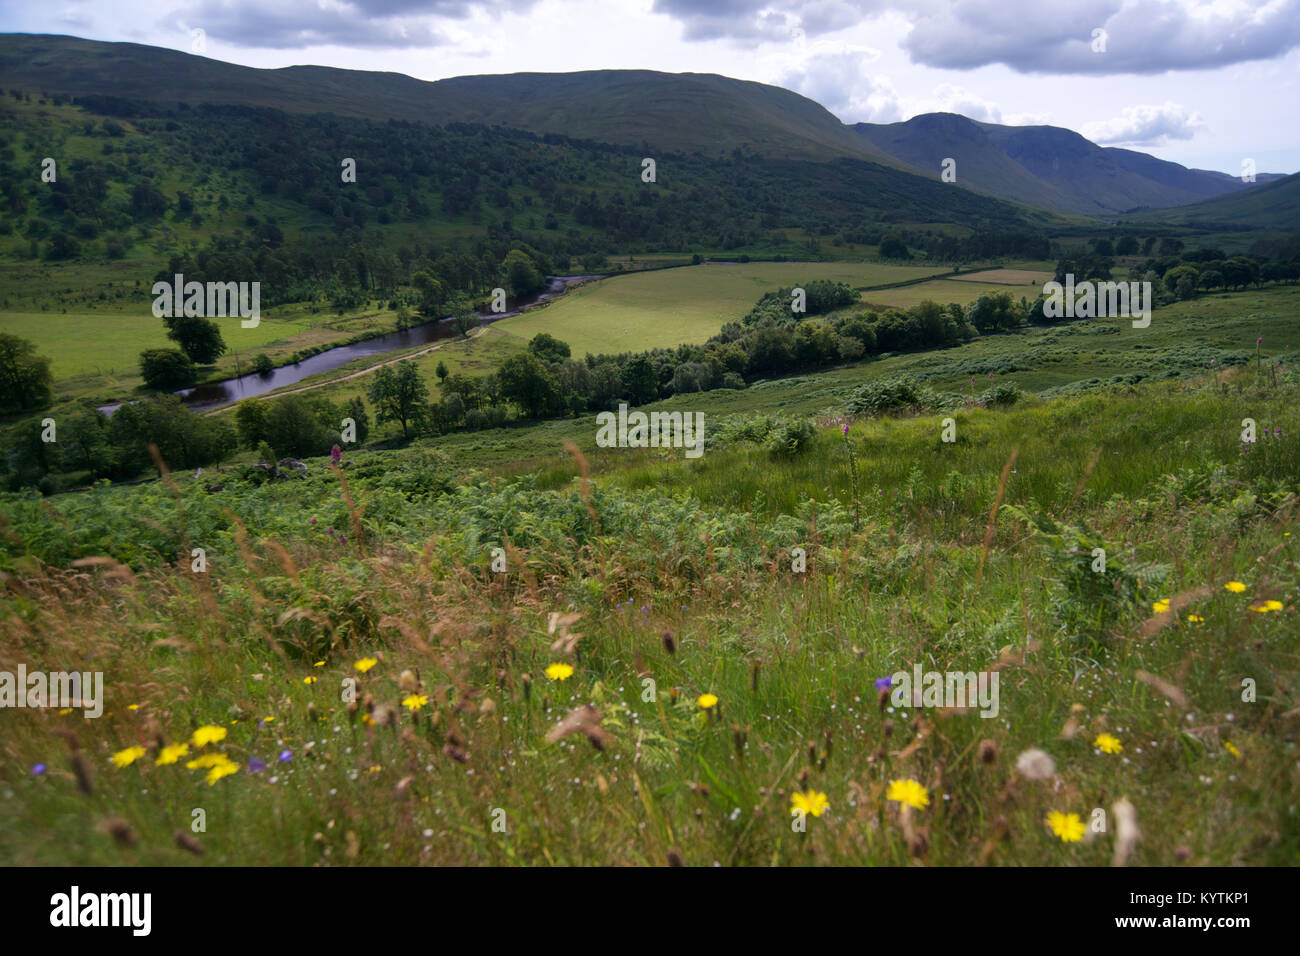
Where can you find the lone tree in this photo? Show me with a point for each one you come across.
(25, 378)
(199, 338)
(399, 396)
(166, 368)
(463, 316)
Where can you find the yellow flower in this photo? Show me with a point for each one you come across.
(124, 758)
(1160, 607)
(1267, 606)
(172, 754)
(415, 701)
(1108, 744)
(132, 706)
(1067, 826)
(365, 664)
(224, 769)
(707, 700)
(1196, 619)
(909, 792)
(208, 735)
(65, 711)
(811, 803)
(309, 680)
(207, 761)
(1236, 587)
(319, 664)
(558, 671)
(1232, 750)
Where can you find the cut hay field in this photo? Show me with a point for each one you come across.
(942, 291)
(1007, 276)
(674, 306)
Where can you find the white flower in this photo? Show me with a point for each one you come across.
(1035, 764)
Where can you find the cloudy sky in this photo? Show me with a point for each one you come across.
(1206, 84)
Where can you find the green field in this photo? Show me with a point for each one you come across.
(667, 308)
(943, 291)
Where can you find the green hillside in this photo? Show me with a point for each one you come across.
(675, 113)
(1264, 205)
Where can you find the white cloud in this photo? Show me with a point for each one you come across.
(947, 98)
(1145, 126)
(840, 82)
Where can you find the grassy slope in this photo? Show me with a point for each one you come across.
(791, 657)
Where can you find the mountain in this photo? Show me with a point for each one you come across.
(1046, 166)
(1263, 205)
(673, 112)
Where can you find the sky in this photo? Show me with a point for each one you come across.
(1207, 84)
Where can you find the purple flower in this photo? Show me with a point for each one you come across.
(313, 520)
(38, 769)
(286, 756)
(884, 683)
(336, 454)
(257, 764)
(1259, 340)
(846, 430)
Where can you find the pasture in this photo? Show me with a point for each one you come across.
(673, 306)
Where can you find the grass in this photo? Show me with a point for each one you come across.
(702, 552)
(675, 306)
(963, 291)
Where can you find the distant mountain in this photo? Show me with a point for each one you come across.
(1264, 205)
(675, 112)
(1046, 166)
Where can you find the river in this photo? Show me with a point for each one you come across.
(210, 395)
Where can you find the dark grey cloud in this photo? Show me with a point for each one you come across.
(1140, 36)
(295, 24)
(1029, 36)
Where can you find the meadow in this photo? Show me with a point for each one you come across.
(666, 308)
(652, 678)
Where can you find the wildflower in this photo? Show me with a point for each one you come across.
(1160, 607)
(1067, 826)
(171, 754)
(415, 701)
(909, 792)
(336, 454)
(1035, 764)
(1231, 749)
(313, 520)
(285, 756)
(559, 671)
(319, 664)
(256, 764)
(38, 769)
(132, 706)
(1108, 744)
(811, 803)
(309, 680)
(223, 769)
(1196, 619)
(884, 683)
(846, 430)
(707, 700)
(208, 735)
(365, 664)
(1267, 606)
(207, 761)
(1236, 587)
(124, 758)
